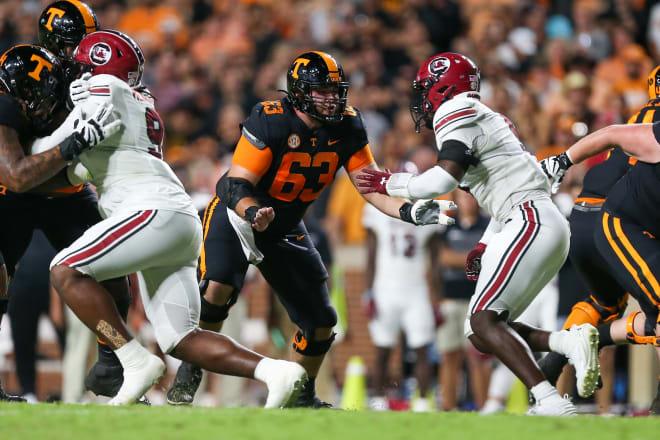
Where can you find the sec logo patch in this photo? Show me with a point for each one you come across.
(294, 141)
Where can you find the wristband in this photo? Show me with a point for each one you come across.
(405, 212)
(251, 213)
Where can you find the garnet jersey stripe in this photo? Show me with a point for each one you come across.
(512, 257)
(455, 116)
(109, 240)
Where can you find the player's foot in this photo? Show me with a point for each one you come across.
(379, 403)
(104, 379)
(420, 404)
(654, 409)
(138, 380)
(582, 353)
(553, 405)
(492, 406)
(307, 398)
(285, 382)
(4, 397)
(187, 380)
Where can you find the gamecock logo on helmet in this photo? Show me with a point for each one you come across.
(439, 66)
(100, 54)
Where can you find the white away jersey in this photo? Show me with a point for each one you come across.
(127, 168)
(505, 175)
(401, 261)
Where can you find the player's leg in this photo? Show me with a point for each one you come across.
(62, 228)
(607, 300)
(172, 304)
(110, 249)
(451, 344)
(4, 303)
(518, 262)
(418, 324)
(633, 256)
(222, 267)
(384, 331)
(293, 267)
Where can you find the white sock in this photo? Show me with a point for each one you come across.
(263, 369)
(543, 390)
(132, 354)
(557, 340)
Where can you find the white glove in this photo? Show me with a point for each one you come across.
(79, 89)
(431, 212)
(555, 167)
(90, 132)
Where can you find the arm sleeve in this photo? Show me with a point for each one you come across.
(55, 138)
(360, 159)
(432, 183)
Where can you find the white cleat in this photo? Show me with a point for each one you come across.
(553, 405)
(420, 404)
(583, 355)
(379, 403)
(284, 384)
(492, 406)
(138, 381)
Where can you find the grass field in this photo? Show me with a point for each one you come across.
(93, 422)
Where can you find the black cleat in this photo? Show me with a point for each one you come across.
(4, 397)
(104, 380)
(307, 398)
(187, 380)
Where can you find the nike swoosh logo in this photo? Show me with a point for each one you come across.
(300, 237)
(333, 142)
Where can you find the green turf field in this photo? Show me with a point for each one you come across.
(92, 422)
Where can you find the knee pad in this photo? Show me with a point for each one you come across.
(590, 311)
(213, 313)
(635, 338)
(305, 344)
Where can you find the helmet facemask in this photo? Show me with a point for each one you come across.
(304, 100)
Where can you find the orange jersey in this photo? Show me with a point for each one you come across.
(296, 164)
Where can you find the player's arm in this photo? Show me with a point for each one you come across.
(641, 141)
(238, 189)
(19, 172)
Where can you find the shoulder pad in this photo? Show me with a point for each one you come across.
(454, 113)
(267, 123)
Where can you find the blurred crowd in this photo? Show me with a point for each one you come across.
(558, 69)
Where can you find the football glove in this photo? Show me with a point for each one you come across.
(90, 132)
(473, 262)
(555, 167)
(79, 89)
(427, 212)
(373, 181)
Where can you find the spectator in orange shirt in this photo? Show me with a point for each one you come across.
(155, 25)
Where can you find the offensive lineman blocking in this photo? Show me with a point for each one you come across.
(150, 227)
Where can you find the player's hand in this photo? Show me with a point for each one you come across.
(473, 262)
(554, 168)
(438, 316)
(262, 218)
(90, 132)
(431, 212)
(368, 304)
(373, 181)
(79, 88)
